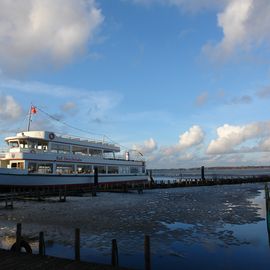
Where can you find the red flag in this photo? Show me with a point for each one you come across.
(33, 110)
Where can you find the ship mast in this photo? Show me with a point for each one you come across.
(33, 110)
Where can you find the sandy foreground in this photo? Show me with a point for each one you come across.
(192, 215)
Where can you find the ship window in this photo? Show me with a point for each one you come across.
(79, 150)
(44, 168)
(94, 152)
(32, 167)
(134, 169)
(124, 170)
(42, 146)
(84, 168)
(143, 169)
(32, 144)
(113, 169)
(13, 144)
(101, 169)
(64, 169)
(60, 148)
(23, 144)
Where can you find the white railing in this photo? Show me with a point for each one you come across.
(88, 140)
(123, 157)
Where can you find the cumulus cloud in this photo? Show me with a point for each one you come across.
(230, 137)
(148, 147)
(245, 25)
(10, 109)
(51, 31)
(194, 136)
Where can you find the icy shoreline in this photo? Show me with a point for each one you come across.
(164, 214)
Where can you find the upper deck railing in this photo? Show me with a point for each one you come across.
(41, 151)
(86, 140)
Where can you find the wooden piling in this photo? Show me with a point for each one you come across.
(115, 259)
(202, 173)
(9, 202)
(41, 246)
(77, 245)
(18, 237)
(62, 195)
(96, 176)
(94, 187)
(147, 253)
(266, 192)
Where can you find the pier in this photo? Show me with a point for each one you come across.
(61, 194)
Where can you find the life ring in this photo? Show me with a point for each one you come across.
(24, 245)
(51, 136)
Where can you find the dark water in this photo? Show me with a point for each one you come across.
(190, 228)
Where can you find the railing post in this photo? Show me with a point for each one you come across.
(77, 244)
(147, 253)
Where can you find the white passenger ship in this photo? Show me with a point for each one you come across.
(42, 158)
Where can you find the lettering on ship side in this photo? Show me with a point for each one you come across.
(59, 158)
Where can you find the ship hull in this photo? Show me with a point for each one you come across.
(43, 180)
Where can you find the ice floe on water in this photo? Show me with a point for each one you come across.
(207, 218)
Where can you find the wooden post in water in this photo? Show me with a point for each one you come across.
(147, 253)
(41, 246)
(266, 192)
(202, 173)
(9, 202)
(18, 237)
(115, 259)
(77, 245)
(94, 189)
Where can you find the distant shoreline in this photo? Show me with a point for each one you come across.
(215, 168)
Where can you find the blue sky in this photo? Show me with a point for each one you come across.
(185, 82)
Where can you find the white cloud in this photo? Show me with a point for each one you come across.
(91, 105)
(96, 102)
(245, 25)
(193, 136)
(53, 31)
(230, 137)
(10, 110)
(148, 147)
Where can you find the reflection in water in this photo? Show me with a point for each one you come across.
(267, 203)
